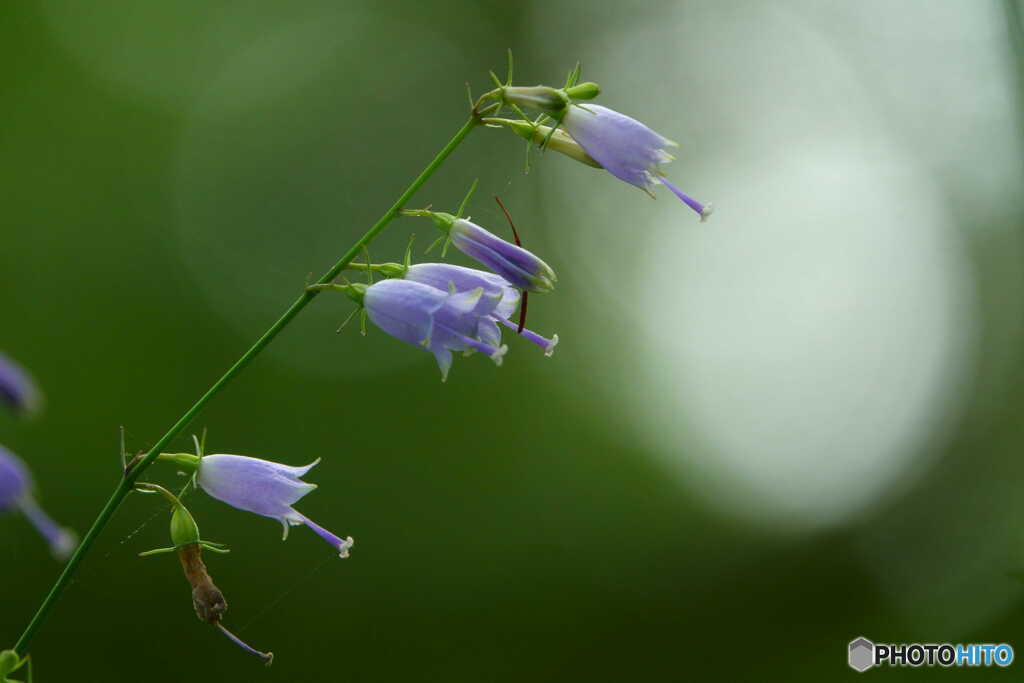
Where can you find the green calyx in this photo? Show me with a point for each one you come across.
(184, 530)
(556, 139)
(444, 221)
(353, 290)
(185, 461)
(388, 270)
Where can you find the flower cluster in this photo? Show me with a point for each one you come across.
(440, 307)
(444, 308)
(596, 136)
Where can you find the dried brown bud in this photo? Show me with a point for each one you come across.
(207, 599)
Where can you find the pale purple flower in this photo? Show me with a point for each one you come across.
(520, 267)
(17, 389)
(264, 488)
(628, 149)
(15, 495)
(436, 320)
(451, 278)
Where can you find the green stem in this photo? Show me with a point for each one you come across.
(128, 482)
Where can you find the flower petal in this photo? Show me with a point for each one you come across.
(403, 309)
(628, 149)
(17, 390)
(251, 484)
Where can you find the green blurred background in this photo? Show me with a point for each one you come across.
(759, 439)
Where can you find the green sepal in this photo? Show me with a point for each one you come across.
(584, 91)
(444, 221)
(215, 547)
(209, 545)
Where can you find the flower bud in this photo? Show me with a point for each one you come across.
(584, 91)
(520, 267)
(547, 100)
(9, 663)
(184, 529)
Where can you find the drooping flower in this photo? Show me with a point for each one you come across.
(437, 320)
(15, 495)
(17, 389)
(447, 277)
(627, 149)
(520, 267)
(264, 488)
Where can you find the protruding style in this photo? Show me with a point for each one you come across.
(16, 495)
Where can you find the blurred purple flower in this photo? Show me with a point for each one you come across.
(15, 494)
(16, 388)
(437, 320)
(520, 267)
(628, 149)
(451, 278)
(265, 488)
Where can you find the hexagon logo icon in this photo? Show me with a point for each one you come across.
(862, 654)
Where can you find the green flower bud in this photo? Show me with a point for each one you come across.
(584, 91)
(9, 663)
(547, 100)
(184, 529)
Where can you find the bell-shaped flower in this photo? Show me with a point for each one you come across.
(264, 488)
(520, 267)
(627, 149)
(17, 389)
(447, 277)
(436, 320)
(15, 495)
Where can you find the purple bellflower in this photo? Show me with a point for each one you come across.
(437, 320)
(15, 494)
(451, 278)
(264, 488)
(16, 388)
(520, 267)
(626, 148)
